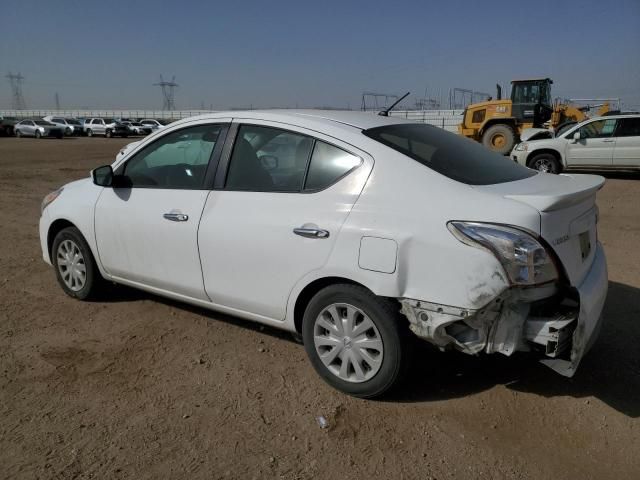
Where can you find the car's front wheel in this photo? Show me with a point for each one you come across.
(356, 341)
(108, 134)
(89, 133)
(545, 162)
(38, 134)
(18, 133)
(75, 267)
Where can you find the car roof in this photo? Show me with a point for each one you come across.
(329, 118)
(613, 117)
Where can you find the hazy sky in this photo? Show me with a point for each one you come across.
(288, 53)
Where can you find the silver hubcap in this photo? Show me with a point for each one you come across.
(543, 165)
(71, 265)
(348, 343)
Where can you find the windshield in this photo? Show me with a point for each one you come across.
(564, 127)
(41, 122)
(458, 158)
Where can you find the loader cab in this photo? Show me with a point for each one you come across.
(531, 101)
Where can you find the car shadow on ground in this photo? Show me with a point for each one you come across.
(610, 372)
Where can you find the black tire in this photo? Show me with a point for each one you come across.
(545, 162)
(390, 324)
(500, 138)
(93, 279)
(107, 134)
(38, 134)
(18, 134)
(89, 133)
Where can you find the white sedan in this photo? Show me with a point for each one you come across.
(354, 230)
(602, 143)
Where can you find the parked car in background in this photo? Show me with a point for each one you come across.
(136, 128)
(153, 124)
(38, 129)
(601, 143)
(108, 127)
(7, 125)
(70, 126)
(354, 230)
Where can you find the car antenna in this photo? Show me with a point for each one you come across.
(385, 113)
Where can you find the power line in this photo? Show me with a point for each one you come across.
(17, 98)
(168, 92)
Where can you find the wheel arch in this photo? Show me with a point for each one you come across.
(56, 227)
(308, 292)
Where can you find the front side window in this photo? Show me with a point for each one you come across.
(268, 160)
(628, 127)
(177, 160)
(598, 129)
(455, 157)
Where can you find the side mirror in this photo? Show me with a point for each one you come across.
(103, 176)
(576, 136)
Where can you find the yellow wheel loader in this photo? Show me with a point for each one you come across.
(499, 123)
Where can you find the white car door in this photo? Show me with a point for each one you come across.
(627, 149)
(146, 230)
(280, 200)
(595, 146)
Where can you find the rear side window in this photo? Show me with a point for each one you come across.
(328, 164)
(268, 160)
(628, 127)
(455, 157)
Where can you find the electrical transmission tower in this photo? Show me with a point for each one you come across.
(168, 92)
(17, 99)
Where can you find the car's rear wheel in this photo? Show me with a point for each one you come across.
(76, 269)
(356, 341)
(545, 162)
(89, 133)
(38, 134)
(18, 133)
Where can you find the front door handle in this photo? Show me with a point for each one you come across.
(311, 232)
(608, 140)
(176, 217)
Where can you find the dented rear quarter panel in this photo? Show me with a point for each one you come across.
(412, 204)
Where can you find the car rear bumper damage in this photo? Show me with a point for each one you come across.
(560, 325)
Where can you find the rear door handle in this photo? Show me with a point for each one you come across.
(608, 140)
(311, 232)
(176, 217)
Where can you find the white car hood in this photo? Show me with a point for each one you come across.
(535, 134)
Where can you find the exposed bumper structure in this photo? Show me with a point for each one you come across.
(561, 327)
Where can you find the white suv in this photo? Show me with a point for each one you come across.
(354, 230)
(610, 142)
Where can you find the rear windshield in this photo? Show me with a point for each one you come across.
(453, 156)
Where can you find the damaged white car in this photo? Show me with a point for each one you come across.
(351, 229)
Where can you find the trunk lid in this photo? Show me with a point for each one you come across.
(568, 215)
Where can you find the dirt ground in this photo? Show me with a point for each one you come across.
(140, 387)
